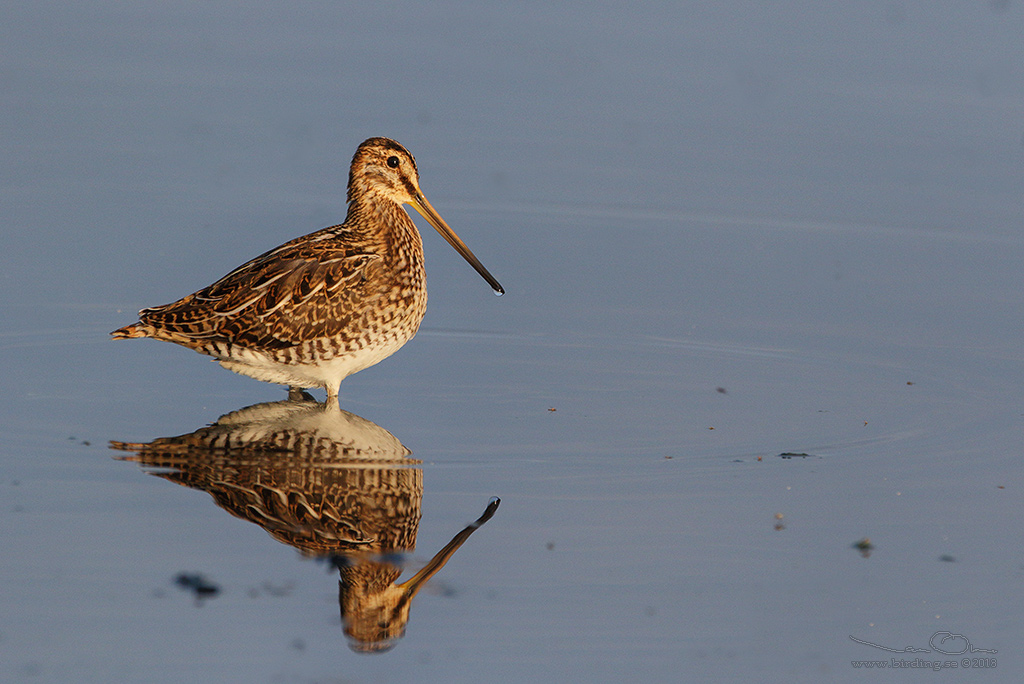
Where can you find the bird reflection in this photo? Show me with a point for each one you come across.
(327, 482)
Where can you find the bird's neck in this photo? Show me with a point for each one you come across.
(379, 215)
(386, 225)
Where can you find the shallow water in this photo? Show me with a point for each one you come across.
(727, 234)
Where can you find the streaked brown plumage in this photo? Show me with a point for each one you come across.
(327, 482)
(326, 305)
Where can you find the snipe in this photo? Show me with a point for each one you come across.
(326, 305)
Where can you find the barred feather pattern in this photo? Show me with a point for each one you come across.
(314, 298)
(323, 306)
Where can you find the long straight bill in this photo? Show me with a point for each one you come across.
(421, 205)
(416, 582)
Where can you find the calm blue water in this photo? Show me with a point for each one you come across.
(727, 232)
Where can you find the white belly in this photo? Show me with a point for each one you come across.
(316, 372)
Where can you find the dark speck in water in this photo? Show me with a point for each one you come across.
(197, 584)
(864, 546)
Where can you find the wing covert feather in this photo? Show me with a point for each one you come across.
(280, 299)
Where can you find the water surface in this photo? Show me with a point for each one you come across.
(727, 233)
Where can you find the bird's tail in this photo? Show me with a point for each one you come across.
(129, 331)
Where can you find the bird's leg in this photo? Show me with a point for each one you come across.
(332, 397)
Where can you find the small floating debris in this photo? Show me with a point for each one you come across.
(197, 584)
(946, 558)
(721, 390)
(778, 522)
(864, 546)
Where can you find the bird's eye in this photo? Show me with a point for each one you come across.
(393, 162)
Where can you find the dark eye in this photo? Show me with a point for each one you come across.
(393, 162)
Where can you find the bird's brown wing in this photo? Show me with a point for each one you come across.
(303, 290)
